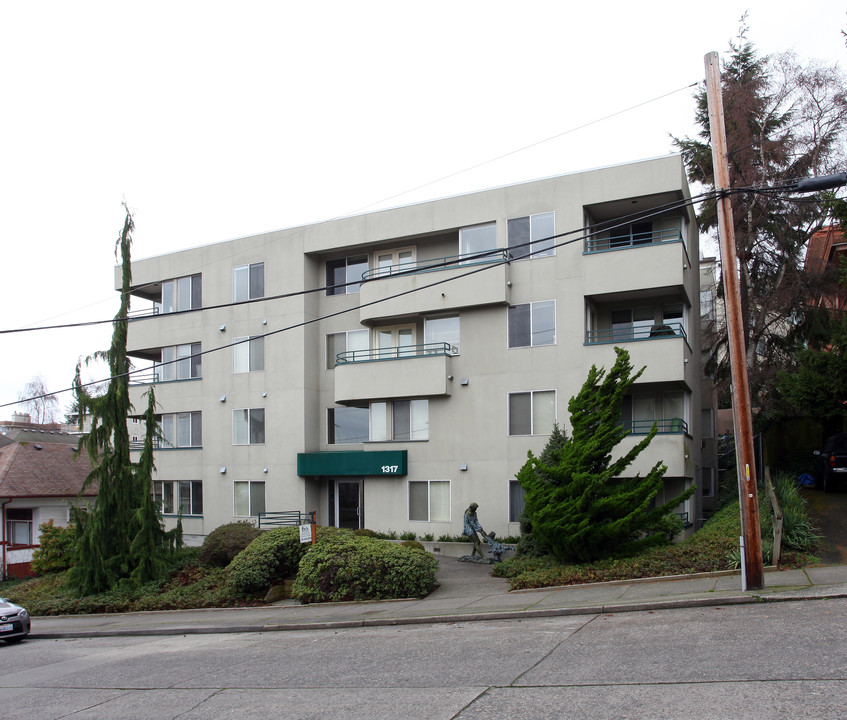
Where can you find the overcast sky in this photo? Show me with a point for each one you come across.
(219, 120)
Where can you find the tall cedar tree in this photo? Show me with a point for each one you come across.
(784, 121)
(121, 539)
(579, 503)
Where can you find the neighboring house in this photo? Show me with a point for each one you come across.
(823, 254)
(388, 369)
(39, 481)
(710, 305)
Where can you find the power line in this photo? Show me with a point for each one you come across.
(619, 222)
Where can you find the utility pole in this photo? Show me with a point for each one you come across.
(753, 576)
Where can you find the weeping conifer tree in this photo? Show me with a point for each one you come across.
(580, 504)
(121, 539)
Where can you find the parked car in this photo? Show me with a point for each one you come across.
(14, 622)
(832, 469)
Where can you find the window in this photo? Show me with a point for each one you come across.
(707, 481)
(184, 293)
(429, 500)
(180, 362)
(347, 425)
(639, 233)
(532, 236)
(248, 355)
(248, 426)
(343, 271)
(248, 282)
(631, 323)
(351, 341)
(638, 412)
(400, 420)
(707, 423)
(442, 330)
(516, 501)
(249, 498)
(394, 261)
(532, 324)
(180, 430)
(184, 497)
(394, 342)
(707, 304)
(19, 526)
(532, 413)
(477, 239)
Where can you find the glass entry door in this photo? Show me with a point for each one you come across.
(348, 504)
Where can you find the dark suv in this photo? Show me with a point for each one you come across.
(833, 462)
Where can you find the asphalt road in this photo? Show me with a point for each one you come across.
(753, 661)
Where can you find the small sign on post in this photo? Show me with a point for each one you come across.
(305, 533)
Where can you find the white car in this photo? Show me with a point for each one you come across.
(14, 622)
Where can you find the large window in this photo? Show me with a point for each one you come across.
(631, 323)
(19, 526)
(248, 498)
(248, 426)
(248, 282)
(183, 293)
(429, 500)
(442, 330)
(351, 341)
(182, 430)
(180, 362)
(394, 261)
(347, 425)
(532, 324)
(184, 497)
(344, 275)
(532, 413)
(248, 354)
(400, 420)
(532, 236)
(478, 239)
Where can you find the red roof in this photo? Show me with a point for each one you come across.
(43, 470)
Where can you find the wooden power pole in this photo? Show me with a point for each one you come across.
(753, 575)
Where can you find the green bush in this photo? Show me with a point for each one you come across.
(413, 544)
(364, 532)
(272, 557)
(408, 535)
(356, 568)
(226, 541)
(56, 548)
(429, 537)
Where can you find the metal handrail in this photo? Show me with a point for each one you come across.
(284, 518)
(664, 425)
(622, 334)
(617, 242)
(433, 264)
(150, 378)
(403, 352)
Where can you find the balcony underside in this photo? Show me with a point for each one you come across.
(421, 376)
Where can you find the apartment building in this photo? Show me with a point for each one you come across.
(390, 368)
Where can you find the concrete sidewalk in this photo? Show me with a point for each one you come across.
(467, 592)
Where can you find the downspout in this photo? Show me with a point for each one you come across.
(3, 542)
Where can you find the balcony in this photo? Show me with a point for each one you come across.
(630, 238)
(424, 286)
(653, 265)
(664, 426)
(390, 373)
(645, 332)
(668, 448)
(666, 356)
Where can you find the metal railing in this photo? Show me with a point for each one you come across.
(646, 332)
(628, 240)
(285, 518)
(665, 425)
(395, 353)
(150, 378)
(443, 263)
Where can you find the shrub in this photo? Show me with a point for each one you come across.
(56, 548)
(272, 557)
(429, 537)
(445, 538)
(364, 532)
(356, 568)
(226, 541)
(408, 535)
(412, 544)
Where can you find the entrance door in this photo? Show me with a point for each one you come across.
(348, 506)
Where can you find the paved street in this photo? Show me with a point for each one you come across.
(748, 661)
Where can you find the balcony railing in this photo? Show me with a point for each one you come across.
(396, 353)
(149, 378)
(433, 264)
(617, 242)
(666, 426)
(647, 332)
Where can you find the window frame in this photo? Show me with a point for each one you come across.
(516, 312)
(349, 286)
(429, 501)
(177, 288)
(251, 498)
(466, 238)
(245, 351)
(251, 428)
(532, 222)
(174, 491)
(516, 509)
(251, 286)
(532, 412)
(385, 416)
(172, 363)
(454, 334)
(195, 427)
(364, 333)
(12, 523)
(331, 423)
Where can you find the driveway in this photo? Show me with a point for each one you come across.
(828, 512)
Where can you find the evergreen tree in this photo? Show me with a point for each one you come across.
(121, 539)
(579, 504)
(784, 120)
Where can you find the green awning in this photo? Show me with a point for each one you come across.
(353, 462)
